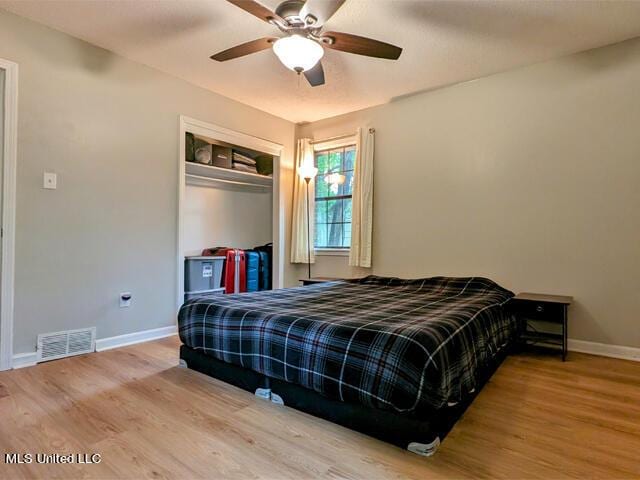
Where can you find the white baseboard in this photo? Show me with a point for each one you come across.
(135, 337)
(605, 350)
(22, 360)
(29, 359)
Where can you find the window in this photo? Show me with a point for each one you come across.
(334, 185)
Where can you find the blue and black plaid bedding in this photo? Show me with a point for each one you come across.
(386, 343)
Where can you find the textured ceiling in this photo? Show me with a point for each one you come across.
(444, 42)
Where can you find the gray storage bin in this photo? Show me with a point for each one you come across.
(202, 273)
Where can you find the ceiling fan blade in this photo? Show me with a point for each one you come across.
(258, 10)
(345, 42)
(317, 12)
(315, 76)
(244, 49)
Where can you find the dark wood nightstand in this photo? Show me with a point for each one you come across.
(314, 280)
(543, 319)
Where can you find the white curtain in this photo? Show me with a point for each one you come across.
(304, 155)
(362, 205)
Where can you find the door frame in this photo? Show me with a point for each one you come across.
(9, 162)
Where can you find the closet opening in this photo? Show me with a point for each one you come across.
(229, 223)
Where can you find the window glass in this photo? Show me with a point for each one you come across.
(333, 191)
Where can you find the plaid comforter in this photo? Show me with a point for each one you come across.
(387, 343)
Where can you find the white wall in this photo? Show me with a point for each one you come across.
(109, 128)
(530, 177)
(215, 217)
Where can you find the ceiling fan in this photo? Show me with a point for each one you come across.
(302, 47)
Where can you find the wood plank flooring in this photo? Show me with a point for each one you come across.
(148, 418)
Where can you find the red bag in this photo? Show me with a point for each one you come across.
(230, 267)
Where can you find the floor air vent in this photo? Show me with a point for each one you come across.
(65, 344)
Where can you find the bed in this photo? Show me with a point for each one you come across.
(396, 359)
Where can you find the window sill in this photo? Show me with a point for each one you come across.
(332, 252)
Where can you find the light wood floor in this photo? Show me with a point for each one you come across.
(537, 418)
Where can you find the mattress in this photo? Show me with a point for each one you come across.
(386, 343)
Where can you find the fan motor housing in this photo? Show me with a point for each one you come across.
(290, 11)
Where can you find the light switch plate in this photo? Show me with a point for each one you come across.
(50, 181)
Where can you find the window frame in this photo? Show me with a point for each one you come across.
(326, 147)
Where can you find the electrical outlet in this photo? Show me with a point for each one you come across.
(125, 299)
(50, 181)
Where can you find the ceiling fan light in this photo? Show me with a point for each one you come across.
(298, 53)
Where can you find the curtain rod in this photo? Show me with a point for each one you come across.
(340, 137)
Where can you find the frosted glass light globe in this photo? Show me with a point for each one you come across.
(307, 170)
(298, 53)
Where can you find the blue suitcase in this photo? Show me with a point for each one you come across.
(265, 276)
(253, 270)
(267, 266)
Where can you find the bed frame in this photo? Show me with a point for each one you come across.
(420, 433)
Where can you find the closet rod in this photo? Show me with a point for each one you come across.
(223, 180)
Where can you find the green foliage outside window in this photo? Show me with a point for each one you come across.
(333, 200)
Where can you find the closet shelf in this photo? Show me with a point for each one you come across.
(205, 175)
